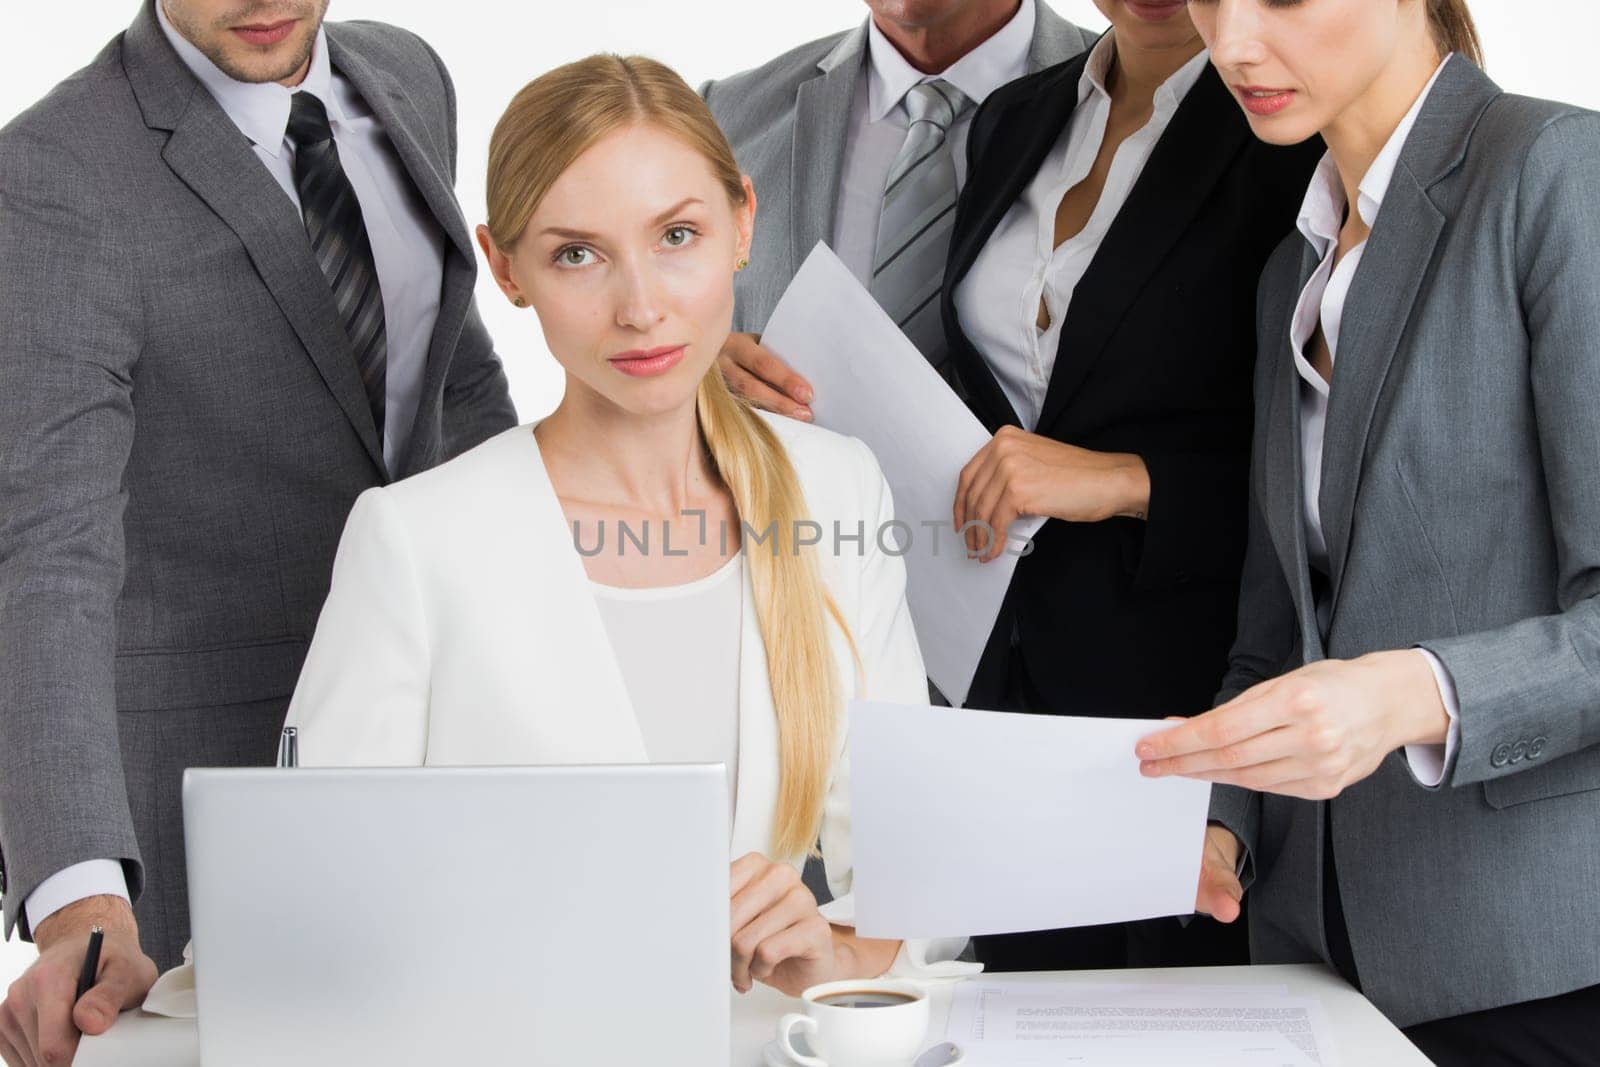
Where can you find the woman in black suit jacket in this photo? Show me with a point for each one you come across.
(1119, 389)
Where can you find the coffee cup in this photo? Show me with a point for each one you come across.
(872, 1022)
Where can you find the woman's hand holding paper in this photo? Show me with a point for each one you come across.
(1310, 733)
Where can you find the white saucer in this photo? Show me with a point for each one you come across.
(774, 1056)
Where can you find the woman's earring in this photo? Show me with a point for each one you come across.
(517, 300)
(742, 264)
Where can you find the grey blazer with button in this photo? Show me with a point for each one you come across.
(1461, 505)
(788, 120)
(182, 433)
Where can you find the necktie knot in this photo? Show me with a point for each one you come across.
(937, 102)
(308, 120)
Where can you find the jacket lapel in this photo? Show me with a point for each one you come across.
(1281, 494)
(1006, 149)
(426, 159)
(1385, 289)
(427, 162)
(575, 677)
(821, 120)
(1199, 145)
(209, 155)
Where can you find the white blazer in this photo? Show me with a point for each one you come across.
(461, 629)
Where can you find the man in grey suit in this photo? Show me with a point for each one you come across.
(859, 140)
(238, 292)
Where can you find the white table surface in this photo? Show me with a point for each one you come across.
(1364, 1035)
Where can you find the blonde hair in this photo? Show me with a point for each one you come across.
(1454, 30)
(551, 122)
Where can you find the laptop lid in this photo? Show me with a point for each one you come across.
(530, 915)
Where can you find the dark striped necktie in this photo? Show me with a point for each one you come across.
(340, 243)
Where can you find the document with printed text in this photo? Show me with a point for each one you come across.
(1020, 1024)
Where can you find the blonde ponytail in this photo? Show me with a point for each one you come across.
(792, 604)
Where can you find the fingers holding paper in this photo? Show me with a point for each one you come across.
(769, 383)
(1019, 473)
(1310, 733)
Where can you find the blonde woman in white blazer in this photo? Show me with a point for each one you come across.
(488, 612)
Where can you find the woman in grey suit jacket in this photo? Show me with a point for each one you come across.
(1409, 748)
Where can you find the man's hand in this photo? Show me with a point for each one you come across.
(762, 378)
(1220, 892)
(39, 1023)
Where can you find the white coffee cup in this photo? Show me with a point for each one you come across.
(864, 1022)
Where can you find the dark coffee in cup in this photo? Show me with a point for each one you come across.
(865, 998)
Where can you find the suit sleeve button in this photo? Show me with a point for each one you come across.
(1500, 756)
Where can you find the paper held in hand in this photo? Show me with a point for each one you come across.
(975, 822)
(872, 383)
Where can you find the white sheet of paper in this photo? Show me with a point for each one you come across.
(980, 822)
(1017, 1023)
(872, 383)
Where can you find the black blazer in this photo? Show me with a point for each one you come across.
(1134, 618)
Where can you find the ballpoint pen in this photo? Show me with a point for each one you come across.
(91, 963)
(289, 747)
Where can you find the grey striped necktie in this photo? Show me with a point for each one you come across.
(339, 241)
(919, 202)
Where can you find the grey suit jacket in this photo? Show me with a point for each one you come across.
(787, 122)
(1462, 512)
(182, 432)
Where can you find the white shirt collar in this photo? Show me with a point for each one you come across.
(1168, 96)
(260, 110)
(1000, 59)
(1322, 212)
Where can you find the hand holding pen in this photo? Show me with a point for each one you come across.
(72, 988)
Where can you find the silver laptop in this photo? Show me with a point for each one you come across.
(530, 915)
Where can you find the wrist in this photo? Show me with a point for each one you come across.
(1134, 493)
(858, 957)
(111, 913)
(1416, 706)
(1225, 841)
(846, 961)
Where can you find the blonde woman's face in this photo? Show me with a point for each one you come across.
(629, 262)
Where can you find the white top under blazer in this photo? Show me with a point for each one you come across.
(462, 629)
(678, 648)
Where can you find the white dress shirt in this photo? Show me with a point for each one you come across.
(1021, 264)
(1322, 301)
(678, 649)
(878, 123)
(408, 251)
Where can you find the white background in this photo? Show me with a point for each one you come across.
(493, 47)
